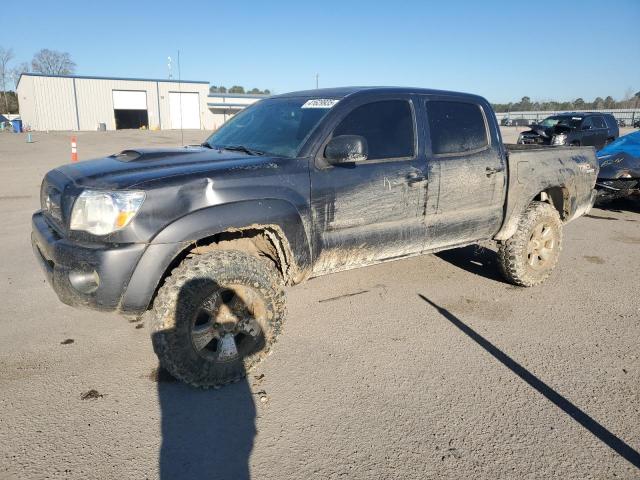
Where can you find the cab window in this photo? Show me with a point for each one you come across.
(387, 126)
(456, 127)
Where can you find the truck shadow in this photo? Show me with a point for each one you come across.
(474, 259)
(205, 433)
(598, 430)
(630, 204)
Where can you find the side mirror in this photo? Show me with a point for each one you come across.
(346, 149)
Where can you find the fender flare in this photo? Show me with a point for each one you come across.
(274, 214)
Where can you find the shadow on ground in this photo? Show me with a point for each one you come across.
(205, 433)
(615, 443)
(474, 259)
(629, 204)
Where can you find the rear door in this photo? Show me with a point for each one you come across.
(466, 172)
(588, 132)
(600, 130)
(370, 210)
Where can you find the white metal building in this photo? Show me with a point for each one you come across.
(73, 102)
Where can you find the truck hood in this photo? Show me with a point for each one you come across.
(547, 132)
(134, 167)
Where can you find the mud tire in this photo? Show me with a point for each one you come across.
(513, 256)
(180, 298)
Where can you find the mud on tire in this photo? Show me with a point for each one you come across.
(529, 256)
(216, 316)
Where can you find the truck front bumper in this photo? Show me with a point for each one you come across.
(92, 276)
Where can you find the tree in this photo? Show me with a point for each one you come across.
(236, 89)
(53, 62)
(6, 55)
(579, 103)
(19, 70)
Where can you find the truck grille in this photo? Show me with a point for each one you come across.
(51, 201)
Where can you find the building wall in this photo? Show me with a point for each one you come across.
(95, 101)
(49, 103)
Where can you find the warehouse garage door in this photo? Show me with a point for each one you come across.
(130, 109)
(184, 109)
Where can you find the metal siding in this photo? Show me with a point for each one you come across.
(53, 105)
(95, 101)
(48, 103)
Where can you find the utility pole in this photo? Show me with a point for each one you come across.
(317, 81)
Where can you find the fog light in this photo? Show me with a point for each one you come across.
(84, 282)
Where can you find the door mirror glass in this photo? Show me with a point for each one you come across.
(346, 149)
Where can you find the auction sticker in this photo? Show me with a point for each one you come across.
(320, 103)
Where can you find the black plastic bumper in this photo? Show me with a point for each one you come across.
(58, 257)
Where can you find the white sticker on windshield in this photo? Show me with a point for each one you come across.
(576, 118)
(320, 103)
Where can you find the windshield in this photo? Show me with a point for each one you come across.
(571, 122)
(274, 126)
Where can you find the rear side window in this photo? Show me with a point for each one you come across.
(456, 127)
(386, 125)
(598, 122)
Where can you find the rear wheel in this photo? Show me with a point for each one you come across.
(529, 256)
(217, 316)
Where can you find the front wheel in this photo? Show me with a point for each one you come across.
(217, 316)
(529, 256)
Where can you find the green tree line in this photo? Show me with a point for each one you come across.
(599, 103)
(238, 89)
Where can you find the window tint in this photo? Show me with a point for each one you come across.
(387, 126)
(598, 122)
(586, 122)
(456, 127)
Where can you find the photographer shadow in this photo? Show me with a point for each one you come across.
(205, 433)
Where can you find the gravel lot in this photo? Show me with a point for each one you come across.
(431, 367)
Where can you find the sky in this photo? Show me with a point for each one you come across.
(502, 50)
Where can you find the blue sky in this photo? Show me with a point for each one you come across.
(502, 50)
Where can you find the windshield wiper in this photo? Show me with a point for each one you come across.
(241, 148)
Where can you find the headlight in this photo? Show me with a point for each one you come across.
(101, 212)
(520, 137)
(559, 139)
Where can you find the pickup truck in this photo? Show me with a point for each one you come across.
(296, 186)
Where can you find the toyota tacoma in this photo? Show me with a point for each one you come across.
(296, 186)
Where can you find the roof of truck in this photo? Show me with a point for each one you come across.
(342, 92)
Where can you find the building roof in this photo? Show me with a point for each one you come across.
(91, 77)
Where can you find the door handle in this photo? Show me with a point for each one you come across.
(414, 178)
(493, 170)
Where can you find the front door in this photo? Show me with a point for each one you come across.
(466, 173)
(373, 209)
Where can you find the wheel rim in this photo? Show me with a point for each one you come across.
(230, 324)
(541, 247)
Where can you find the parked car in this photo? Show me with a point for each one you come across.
(515, 122)
(576, 129)
(619, 168)
(622, 122)
(636, 124)
(296, 186)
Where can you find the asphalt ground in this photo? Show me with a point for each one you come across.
(430, 367)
